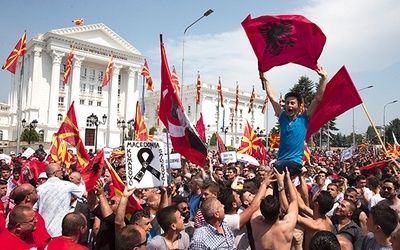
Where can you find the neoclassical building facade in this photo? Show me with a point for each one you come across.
(46, 99)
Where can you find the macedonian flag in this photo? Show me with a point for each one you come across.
(18, 51)
(250, 141)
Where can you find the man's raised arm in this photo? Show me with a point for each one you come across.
(320, 92)
(271, 96)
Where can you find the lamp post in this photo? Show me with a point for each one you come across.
(207, 13)
(96, 122)
(122, 124)
(384, 126)
(32, 125)
(354, 132)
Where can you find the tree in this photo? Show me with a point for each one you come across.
(394, 126)
(152, 130)
(213, 140)
(29, 135)
(305, 87)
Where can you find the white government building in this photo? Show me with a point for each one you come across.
(46, 99)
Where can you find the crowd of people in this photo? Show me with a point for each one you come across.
(217, 206)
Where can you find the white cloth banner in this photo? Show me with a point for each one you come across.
(174, 161)
(228, 157)
(346, 153)
(145, 166)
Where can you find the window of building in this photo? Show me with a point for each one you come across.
(60, 101)
(89, 123)
(98, 104)
(90, 103)
(81, 102)
(62, 68)
(240, 113)
(240, 126)
(189, 109)
(61, 85)
(83, 72)
(119, 79)
(99, 90)
(119, 92)
(41, 135)
(91, 88)
(83, 87)
(1, 135)
(118, 107)
(100, 75)
(59, 118)
(92, 74)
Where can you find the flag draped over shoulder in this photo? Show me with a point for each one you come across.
(201, 128)
(147, 76)
(133, 205)
(68, 66)
(252, 96)
(250, 141)
(175, 81)
(220, 143)
(183, 136)
(219, 90)
(198, 85)
(93, 171)
(140, 126)
(107, 76)
(19, 50)
(282, 39)
(340, 95)
(264, 107)
(69, 132)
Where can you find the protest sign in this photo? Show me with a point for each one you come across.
(229, 156)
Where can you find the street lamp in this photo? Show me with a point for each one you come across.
(207, 13)
(384, 127)
(32, 125)
(94, 120)
(122, 124)
(354, 135)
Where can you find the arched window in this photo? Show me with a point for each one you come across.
(59, 118)
(1, 135)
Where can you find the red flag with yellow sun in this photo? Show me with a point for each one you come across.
(250, 141)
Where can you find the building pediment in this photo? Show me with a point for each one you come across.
(97, 34)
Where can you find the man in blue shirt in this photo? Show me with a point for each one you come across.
(293, 125)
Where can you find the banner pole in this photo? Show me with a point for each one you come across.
(169, 166)
(376, 131)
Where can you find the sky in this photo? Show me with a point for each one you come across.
(362, 35)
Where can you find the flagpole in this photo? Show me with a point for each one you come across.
(218, 113)
(373, 126)
(19, 109)
(143, 89)
(234, 142)
(266, 128)
(169, 166)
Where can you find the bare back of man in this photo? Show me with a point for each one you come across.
(319, 224)
(277, 235)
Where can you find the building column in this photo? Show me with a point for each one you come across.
(112, 129)
(35, 69)
(76, 79)
(131, 94)
(54, 88)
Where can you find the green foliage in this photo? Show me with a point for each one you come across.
(213, 140)
(230, 148)
(305, 87)
(152, 130)
(30, 135)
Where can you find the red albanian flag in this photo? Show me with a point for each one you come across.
(282, 39)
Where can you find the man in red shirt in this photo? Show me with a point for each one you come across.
(21, 223)
(73, 228)
(26, 195)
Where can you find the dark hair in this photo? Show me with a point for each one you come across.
(396, 185)
(325, 201)
(233, 169)
(17, 215)
(269, 208)
(6, 168)
(16, 170)
(226, 197)
(72, 222)
(295, 95)
(128, 238)
(385, 217)
(324, 240)
(19, 193)
(210, 185)
(360, 177)
(165, 217)
(373, 181)
(3, 182)
(138, 216)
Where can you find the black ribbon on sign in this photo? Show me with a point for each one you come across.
(146, 165)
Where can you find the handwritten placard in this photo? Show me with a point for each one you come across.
(229, 156)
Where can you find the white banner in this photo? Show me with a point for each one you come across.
(107, 153)
(174, 161)
(346, 154)
(227, 157)
(145, 167)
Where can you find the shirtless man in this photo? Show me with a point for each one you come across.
(316, 220)
(268, 231)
